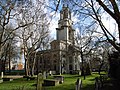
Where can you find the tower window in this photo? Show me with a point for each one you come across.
(66, 13)
(54, 55)
(64, 55)
(55, 61)
(70, 59)
(70, 67)
(54, 67)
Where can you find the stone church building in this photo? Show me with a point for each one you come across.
(64, 56)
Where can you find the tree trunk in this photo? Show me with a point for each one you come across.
(4, 61)
(100, 68)
(9, 58)
(9, 65)
(87, 69)
(82, 71)
(33, 67)
(119, 31)
(26, 67)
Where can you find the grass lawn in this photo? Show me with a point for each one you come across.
(69, 84)
(88, 83)
(18, 84)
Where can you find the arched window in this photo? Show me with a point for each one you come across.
(70, 59)
(54, 55)
(70, 67)
(54, 67)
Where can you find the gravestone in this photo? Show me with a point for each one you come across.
(78, 84)
(7, 79)
(79, 72)
(39, 81)
(59, 78)
(50, 73)
(51, 82)
(1, 74)
(1, 80)
(44, 75)
(98, 84)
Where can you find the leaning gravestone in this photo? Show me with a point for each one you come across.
(78, 84)
(1, 74)
(39, 81)
(1, 80)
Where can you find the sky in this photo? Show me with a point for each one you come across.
(54, 24)
(109, 23)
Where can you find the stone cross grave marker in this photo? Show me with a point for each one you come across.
(39, 81)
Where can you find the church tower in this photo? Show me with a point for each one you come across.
(64, 30)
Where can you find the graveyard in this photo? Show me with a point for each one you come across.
(68, 84)
(59, 44)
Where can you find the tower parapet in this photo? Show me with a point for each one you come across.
(65, 13)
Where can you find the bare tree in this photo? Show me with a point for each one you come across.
(85, 42)
(8, 17)
(8, 50)
(100, 55)
(34, 36)
(93, 10)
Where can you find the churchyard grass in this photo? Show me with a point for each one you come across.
(69, 83)
(18, 84)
